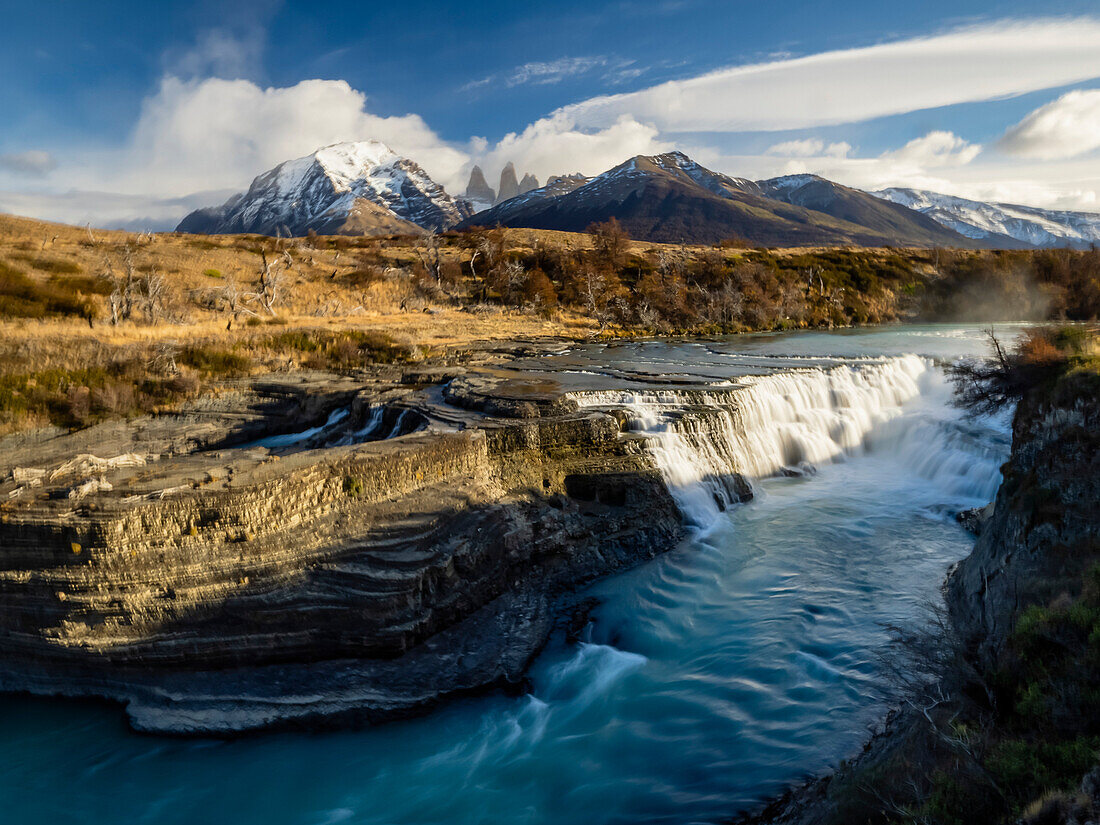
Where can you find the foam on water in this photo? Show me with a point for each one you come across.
(798, 421)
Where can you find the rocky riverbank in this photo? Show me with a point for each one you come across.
(314, 549)
(997, 721)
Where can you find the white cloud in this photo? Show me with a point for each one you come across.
(554, 145)
(33, 163)
(216, 134)
(1064, 128)
(933, 162)
(809, 148)
(975, 63)
(936, 149)
(213, 134)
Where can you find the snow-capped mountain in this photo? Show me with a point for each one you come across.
(891, 220)
(1001, 224)
(347, 188)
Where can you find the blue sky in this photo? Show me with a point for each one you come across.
(158, 101)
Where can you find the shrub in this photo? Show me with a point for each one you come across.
(55, 266)
(1040, 358)
(1026, 769)
(214, 361)
(23, 297)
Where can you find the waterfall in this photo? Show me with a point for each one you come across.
(705, 441)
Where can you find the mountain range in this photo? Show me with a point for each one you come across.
(1001, 224)
(671, 198)
(366, 188)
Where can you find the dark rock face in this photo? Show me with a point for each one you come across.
(1046, 503)
(321, 583)
(478, 189)
(509, 186)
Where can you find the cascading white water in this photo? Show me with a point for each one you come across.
(702, 440)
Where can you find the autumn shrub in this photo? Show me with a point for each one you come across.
(23, 297)
(213, 361)
(55, 266)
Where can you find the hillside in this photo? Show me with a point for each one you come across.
(90, 320)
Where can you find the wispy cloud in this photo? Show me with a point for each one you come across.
(32, 163)
(543, 73)
(974, 63)
(219, 52)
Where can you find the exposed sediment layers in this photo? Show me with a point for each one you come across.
(226, 590)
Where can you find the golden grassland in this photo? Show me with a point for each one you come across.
(340, 303)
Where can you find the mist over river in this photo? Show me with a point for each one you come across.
(708, 679)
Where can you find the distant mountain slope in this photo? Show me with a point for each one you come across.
(884, 217)
(348, 188)
(1003, 224)
(672, 198)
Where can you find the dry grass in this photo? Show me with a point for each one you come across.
(353, 300)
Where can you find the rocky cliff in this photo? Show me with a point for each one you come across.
(383, 544)
(478, 190)
(1044, 530)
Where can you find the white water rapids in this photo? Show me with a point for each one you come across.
(791, 423)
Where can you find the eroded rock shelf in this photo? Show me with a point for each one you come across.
(416, 539)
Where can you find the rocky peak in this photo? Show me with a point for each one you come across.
(478, 189)
(509, 185)
(529, 183)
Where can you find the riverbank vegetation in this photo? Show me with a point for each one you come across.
(96, 323)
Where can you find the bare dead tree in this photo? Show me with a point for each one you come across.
(812, 272)
(163, 360)
(273, 280)
(429, 250)
(154, 296)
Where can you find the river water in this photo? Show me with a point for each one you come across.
(709, 679)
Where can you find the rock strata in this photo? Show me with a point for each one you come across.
(313, 551)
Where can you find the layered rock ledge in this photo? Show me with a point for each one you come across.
(313, 550)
